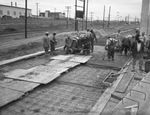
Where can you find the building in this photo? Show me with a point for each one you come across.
(13, 11)
(53, 15)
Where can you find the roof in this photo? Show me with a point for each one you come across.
(13, 7)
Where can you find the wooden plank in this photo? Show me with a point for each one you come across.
(80, 59)
(120, 96)
(140, 94)
(40, 74)
(8, 95)
(17, 85)
(124, 83)
(62, 57)
(20, 58)
(4, 62)
(72, 58)
(101, 103)
(65, 64)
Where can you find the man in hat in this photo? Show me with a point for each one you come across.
(46, 42)
(110, 46)
(137, 49)
(93, 37)
(126, 44)
(53, 42)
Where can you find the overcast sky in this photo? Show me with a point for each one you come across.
(123, 7)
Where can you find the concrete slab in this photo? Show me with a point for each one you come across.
(17, 85)
(8, 95)
(100, 53)
(73, 58)
(65, 64)
(62, 57)
(41, 74)
(101, 103)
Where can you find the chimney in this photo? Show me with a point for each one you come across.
(15, 4)
(11, 3)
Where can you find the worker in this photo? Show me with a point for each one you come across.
(53, 42)
(126, 44)
(137, 49)
(67, 44)
(110, 46)
(45, 43)
(93, 37)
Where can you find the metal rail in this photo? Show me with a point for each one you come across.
(131, 100)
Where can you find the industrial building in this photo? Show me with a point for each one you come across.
(13, 11)
(53, 15)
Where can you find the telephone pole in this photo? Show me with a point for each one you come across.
(37, 9)
(83, 14)
(86, 14)
(76, 28)
(104, 17)
(25, 18)
(91, 17)
(109, 16)
(68, 7)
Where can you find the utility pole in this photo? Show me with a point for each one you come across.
(86, 14)
(76, 15)
(109, 16)
(104, 17)
(25, 18)
(128, 19)
(91, 17)
(37, 9)
(83, 14)
(67, 7)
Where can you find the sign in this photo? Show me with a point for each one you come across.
(79, 14)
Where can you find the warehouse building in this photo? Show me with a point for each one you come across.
(13, 11)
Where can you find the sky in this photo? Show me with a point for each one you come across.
(119, 8)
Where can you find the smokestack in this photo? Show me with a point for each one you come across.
(11, 3)
(15, 4)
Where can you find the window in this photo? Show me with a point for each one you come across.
(14, 13)
(8, 12)
(1, 12)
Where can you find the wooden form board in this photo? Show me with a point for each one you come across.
(42, 75)
(65, 64)
(139, 94)
(8, 95)
(20, 58)
(72, 58)
(126, 80)
(17, 85)
(62, 57)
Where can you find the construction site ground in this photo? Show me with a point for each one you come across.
(75, 92)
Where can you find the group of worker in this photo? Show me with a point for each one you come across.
(49, 43)
(137, 45)
(84, 43)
